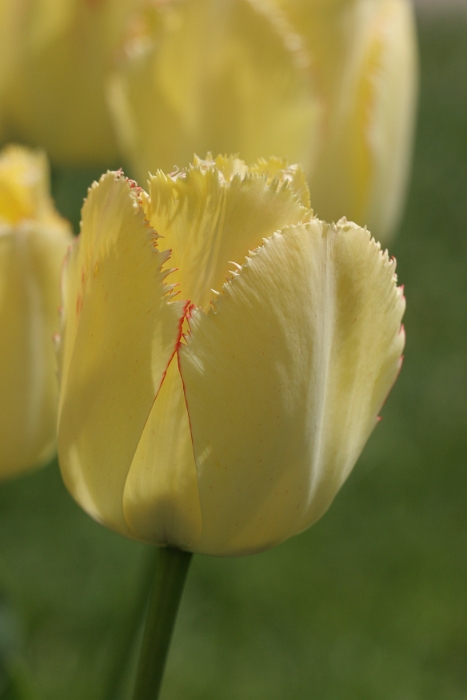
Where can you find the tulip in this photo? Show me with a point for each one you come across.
(223, 355)
(201, 76)
(54, 92)
(33, 241)
(327, 83)
(365, 67)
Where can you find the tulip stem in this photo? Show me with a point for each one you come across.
(171, 571)
(127, 640)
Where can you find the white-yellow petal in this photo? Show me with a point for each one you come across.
(219, 76)
(208, 221)
(120, 331)
(161, 500)
(53, 92)
(391, 126)
(30, 264)
(365, 67)
(284, 381)
(25, 189)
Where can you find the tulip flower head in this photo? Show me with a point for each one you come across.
(53, 93)
(364, 66)
(33, 241)
(330, 84)
(223, 357)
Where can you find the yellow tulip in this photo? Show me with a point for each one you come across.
(330, 84)
(364, 63)
(225, 419)
(207, 76)
(54, 92)
(33, 241)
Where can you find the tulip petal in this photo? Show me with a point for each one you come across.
(391, 129)
(54, 93)
(284, 380)
(366, 64)
(30, 262)
(225, 77)
(293, 174)
(269, 168)
(161, 500)
(208, 221)
(120, 331)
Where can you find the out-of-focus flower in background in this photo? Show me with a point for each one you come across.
(330, 84)
(365, 70)
(53, 95)
(33, 241)
(9, 48)
(203, 75)
(226, 420)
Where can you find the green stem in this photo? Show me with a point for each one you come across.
(170, 578)
(126, 642)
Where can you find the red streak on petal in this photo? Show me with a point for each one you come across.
(79, 304)
(189, 310)
(134, 185)
(176, 346)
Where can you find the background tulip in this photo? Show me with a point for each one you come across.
(202, 75)
(53, 94)
(226, 421)
(364, 65)
(329, 84)
(33, 240)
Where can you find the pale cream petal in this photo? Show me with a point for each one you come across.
(333, 32)
(119, 334)
(54, 94)
(225, 77)
(161, 501)
(25, 189)
(365, 68)
(284, 381)
(391, 128)
(208, 222)
(30, 262)
(279, 168)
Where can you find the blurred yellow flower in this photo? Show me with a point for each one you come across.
(330, 84)
(364, 63)
(199, 75)
(53, 93)
(33, 241)
(225, 420)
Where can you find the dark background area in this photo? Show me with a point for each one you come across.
(370, 603)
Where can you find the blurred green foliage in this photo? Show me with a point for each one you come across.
(370, 603)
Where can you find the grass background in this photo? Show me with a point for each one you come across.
(370, 603)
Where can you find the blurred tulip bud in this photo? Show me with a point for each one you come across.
(33, 241)
(364, 63)
(327, 83)
(54, 92)
(226, 419)
(199, 75)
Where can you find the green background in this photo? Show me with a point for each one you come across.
(370, 603)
